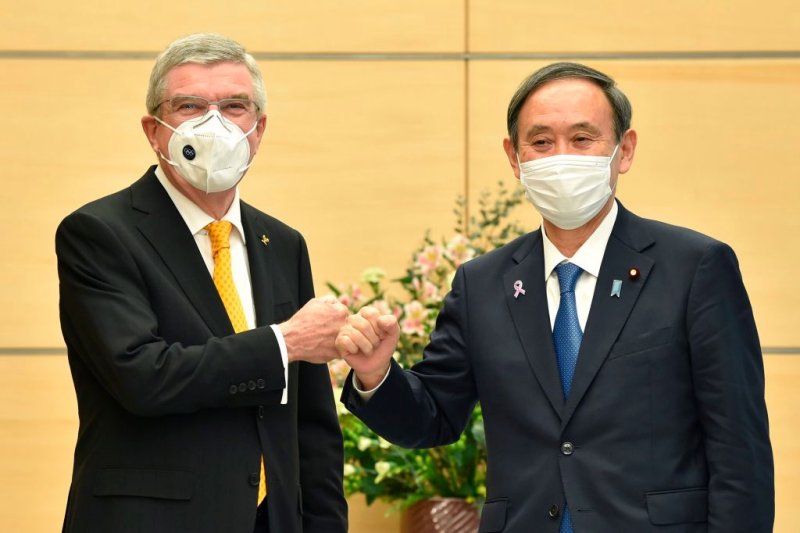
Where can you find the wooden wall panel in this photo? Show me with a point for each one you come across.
(72, 135)
(275, 26)
(783, 397)
(38, 429)
(617, 26)
(716, 152)
(362, 157)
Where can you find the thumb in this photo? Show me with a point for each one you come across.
(388, 325)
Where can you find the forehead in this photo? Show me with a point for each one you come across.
(216, 80)
(564, 102)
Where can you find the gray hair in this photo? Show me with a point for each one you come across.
(202, 49)
(620, 105)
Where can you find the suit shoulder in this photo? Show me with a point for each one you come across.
(105, 208)
(275, 228)
(114, 206)
(499, 257)
(677, 241)
(689, 236)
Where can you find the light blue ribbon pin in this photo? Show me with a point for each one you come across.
(616, 287)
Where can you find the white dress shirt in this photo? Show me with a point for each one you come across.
(196, 220)
(589, 257)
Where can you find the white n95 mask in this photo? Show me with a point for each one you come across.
(568, 190)
(210, 152)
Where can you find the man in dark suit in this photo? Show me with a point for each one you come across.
(191, 329)
(615, 358)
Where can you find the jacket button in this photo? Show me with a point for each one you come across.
(554, 512)
(261, 384)
(251, 385)
(233, 389)
(242, 387)
(567, 448)
(254, 479)
(261, 412)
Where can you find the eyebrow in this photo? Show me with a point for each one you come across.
(541, 128)
(588, 126)
(241, 96)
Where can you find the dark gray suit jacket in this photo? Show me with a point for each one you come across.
(665, 428)
(175, 410)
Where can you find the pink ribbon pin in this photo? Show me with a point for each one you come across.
(518, 288)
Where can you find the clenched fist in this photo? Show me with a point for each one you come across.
(311, 333)
(367, 343)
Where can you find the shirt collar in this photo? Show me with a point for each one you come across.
(590, 255)
(196, 219)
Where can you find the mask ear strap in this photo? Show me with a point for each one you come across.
(162, 156)
(170, 161)
(164, 123)
(251, 130)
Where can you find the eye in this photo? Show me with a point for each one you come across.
(187, 105)
(540, 143)
(235, 106)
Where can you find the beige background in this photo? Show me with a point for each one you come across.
(380, 114)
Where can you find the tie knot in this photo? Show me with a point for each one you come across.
(568, 274)
(219, 233)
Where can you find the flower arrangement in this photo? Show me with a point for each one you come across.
(373, 466)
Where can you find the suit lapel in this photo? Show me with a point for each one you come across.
(608, 313)
(531, 317)
(268, 284)
(167, 233)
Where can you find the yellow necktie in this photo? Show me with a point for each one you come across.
(219, 233)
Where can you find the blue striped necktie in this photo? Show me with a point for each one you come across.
(567, 336)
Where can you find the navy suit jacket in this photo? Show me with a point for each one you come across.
(665, 428)
(175, 410)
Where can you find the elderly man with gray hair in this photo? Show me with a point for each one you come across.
(192, 333)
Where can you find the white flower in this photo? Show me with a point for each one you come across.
(382, 468)
(413, 323)
(383, 443)
(372, 275)
(450, 277)
(364, 443)
(429, 259)
(458, 250)
(349, 469)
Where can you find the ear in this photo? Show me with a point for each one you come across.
(627, 148)
(261, 128)
(149, 126)
(511, 153)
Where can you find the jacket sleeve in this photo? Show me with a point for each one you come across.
(430, 404)
(319, 436)
(109, 322)
(728, 375)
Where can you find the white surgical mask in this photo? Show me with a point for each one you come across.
(568, 190)
(210, 152)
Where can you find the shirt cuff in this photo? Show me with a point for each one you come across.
(366, 395)
(285, 359)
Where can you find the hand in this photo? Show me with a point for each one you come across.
(310, 334)
(367, 343)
